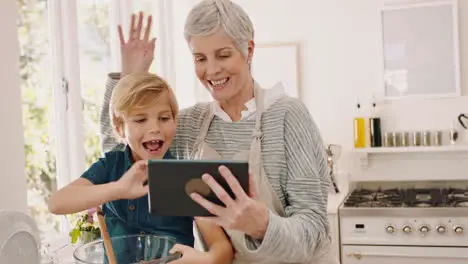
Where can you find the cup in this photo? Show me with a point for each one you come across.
(416, 138)
(388, 139)
(405, 139)
(438, 135)
(426, 138)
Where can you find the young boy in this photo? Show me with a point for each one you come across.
(143, 111)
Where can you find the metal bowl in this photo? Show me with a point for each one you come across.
(134, 249)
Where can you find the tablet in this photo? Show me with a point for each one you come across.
(171, 181)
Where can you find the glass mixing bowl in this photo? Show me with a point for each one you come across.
(134, 249)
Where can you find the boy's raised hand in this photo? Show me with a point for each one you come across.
(138, 50)
(132, 184)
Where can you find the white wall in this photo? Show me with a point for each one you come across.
(341, 59)
(12, 176)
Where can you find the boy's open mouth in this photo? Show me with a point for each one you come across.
(153, 146)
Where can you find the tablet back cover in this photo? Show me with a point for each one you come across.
(171, 181)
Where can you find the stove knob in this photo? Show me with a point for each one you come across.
(407, 229)
(458, 230)
(441, 229)
(424, 229)
(390, 229)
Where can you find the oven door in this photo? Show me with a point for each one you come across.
(403, 255)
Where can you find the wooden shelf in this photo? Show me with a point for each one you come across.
(384, 150)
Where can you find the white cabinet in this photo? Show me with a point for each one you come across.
(333, 220)
(334, 202)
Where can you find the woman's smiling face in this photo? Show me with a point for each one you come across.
(219, 65)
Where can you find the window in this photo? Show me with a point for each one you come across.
(67, 48)
(38, 112)
(95, 64)
(188, 88)
(150, 7)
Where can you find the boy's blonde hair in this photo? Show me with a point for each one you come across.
(135, 92)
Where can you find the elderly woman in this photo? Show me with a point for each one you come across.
(283, 219)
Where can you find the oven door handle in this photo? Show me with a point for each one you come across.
(360, 255)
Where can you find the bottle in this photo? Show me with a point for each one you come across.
(453, 133)
(359, 130)
(375, 128)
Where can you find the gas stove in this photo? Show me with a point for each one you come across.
(393, 216)
(412, 197)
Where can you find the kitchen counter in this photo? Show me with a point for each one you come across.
(335, 200)
(63, 250)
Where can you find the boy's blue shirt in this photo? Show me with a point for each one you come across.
(131, 217)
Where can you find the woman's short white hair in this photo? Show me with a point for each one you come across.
(209, 16)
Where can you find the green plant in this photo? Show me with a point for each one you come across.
(86, 229)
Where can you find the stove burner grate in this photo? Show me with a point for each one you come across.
(414, 197)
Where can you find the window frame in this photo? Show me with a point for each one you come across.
(67, 94)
